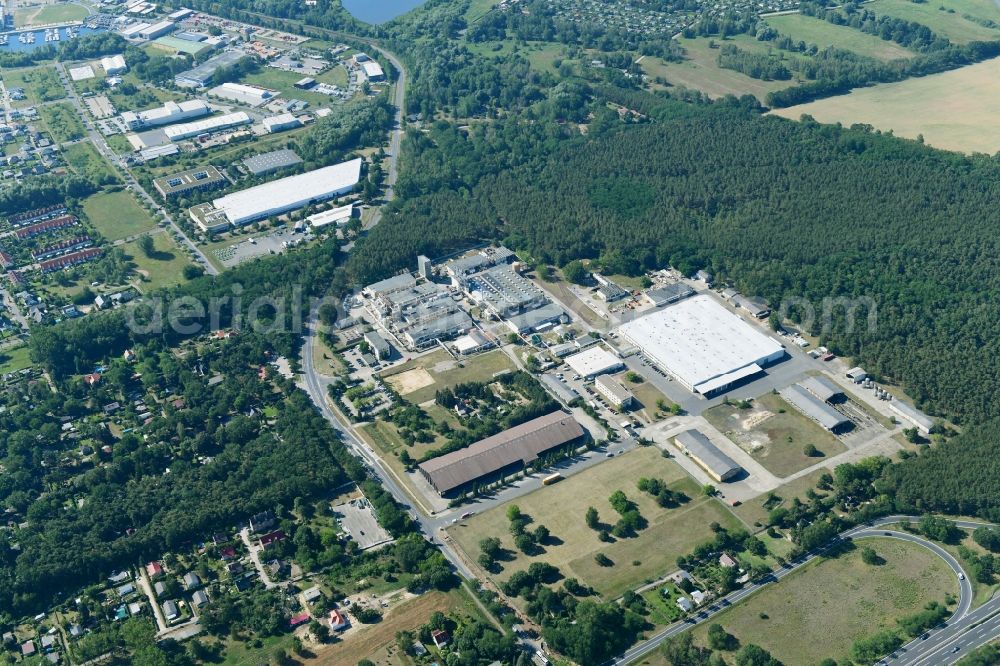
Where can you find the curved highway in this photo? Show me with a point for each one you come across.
(964, 629)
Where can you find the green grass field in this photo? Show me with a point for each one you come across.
(953, 110)
(41, 84)
(958, 20)
(561, 508)
(162, 269)
(62, 121)
(49, 14)
(116, 215)
(14, 359)
(781, 436)
(277, 79)
(817, 31)
(819, 611)
(647, 395)
(85, 161)
(700, 69)
(541, 55)
(421, 378)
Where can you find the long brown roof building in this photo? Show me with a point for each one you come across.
(502, 453)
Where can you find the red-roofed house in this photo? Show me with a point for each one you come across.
(271, 538)
(28, 648)
(92, 379)
(227, 553)
(154, 569)
(338, 622)
(440, 638)
(6, 261)
(299, 619)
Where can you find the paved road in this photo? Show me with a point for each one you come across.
(104, 149)
(254, 551)
(875, 529)
(316, 386)
(396, 135)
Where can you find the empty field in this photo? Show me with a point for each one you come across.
(278, 79)
(13, 359)
(49, 14)
(85, 161)
(953, 110)
(421, 378)
(63, 122)
(116, 215)
(700, 69)
(562, 507)
(163, 268)
(845, 597)
(41, 84)
(775, 434)
(817, 31)
(961, 21)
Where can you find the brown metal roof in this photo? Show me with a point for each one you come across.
(522, 443)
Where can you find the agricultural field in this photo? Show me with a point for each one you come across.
(846, 597)
(163, 268)
(954, 110)
(562, 507)
(817, 31)
(775, 434)
(41, 84)
(84, 159)
(961, 21)
(62, 121)
(700, 69)
(116, 215)
(420, 379)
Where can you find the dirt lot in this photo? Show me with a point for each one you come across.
(775, 434)
(421, 378)
(376, 641)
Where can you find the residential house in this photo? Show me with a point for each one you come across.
(262, 521)
(338, 621)
(684, 604)
(191, 580)
(154, 569)
(199, 598)
(170, 611)
(440, 638)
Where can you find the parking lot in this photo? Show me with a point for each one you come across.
(259, 246)
(357, 519)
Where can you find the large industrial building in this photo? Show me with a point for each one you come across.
(201, 76)
(419, 315)
(275, 160)
(593, 362)
(700, 449)
(502, 454)
(113, 64)
(703, 345)
(243, 94)
(192, 180)
(923, 422)
(823, 388)
(619, 396)
(171, 112)
(213, 124)
(503, 292)
(291, 193)
(819, 411)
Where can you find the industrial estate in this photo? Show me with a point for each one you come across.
(328, 337)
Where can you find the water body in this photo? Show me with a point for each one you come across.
(381, 11)
(14, 43)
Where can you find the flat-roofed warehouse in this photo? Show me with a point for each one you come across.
(291, 193)
(708, 456)
(816, 409)
(593, 362)
(201, 179)
(265, 163)
(703, 345)
(502, 454)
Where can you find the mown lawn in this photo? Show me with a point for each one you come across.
(117, 215)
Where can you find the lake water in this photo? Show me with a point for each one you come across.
(14, 44)
(379, 11)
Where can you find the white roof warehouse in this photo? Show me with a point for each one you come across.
(701, 343)
(285, 194)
